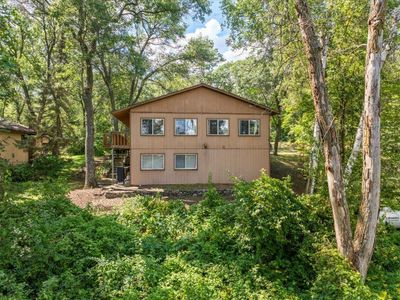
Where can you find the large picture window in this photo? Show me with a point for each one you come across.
(186, 126)
(218, 127)
(152, 127)
(152, 161)
(186, 161)
(249, 127)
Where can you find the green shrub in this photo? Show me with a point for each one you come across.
(128, 277)
(51, 244)
(267, 243)
(336, 279)
(269, 219)
(10, 288)
(41, 168)
(384, 271)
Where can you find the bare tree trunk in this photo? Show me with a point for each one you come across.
(106, 74)
(278, 130)
(387, 48)
(87, 93)
(316, 132)
(277, 134)
(314, 159)
(364, 239)
(328, 132)
(354, 152)
(58, 134)
(90, 176)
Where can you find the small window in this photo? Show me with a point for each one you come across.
(152, 127)
(152, 161)
(186, 161)
(186, 126)
(249, 127)
(217, 127)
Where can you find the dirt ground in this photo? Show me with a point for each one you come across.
(95, 198)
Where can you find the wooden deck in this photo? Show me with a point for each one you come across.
(116, 140)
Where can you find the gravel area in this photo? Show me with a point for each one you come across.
(94, 198)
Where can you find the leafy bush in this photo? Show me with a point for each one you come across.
(336, 279)
(50, 244)
(41, 168)
(267, 243)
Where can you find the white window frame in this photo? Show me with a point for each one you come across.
(218, 133)
(152, 126)
(185, 134)
(248, 121)
(186, 154)
(152, 162)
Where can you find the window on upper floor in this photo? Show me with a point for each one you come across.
(186, 161)
(152, 126)
(152, 161)
(249, 127)
(218, 127)
(185, 126)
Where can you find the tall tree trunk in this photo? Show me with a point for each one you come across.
(314, 159)
(106, 74)
(354, 152)
(277, 134)
(58, 132)
(365, 233)
(278, 130)
(311, 182)
(87, 93)
(328, 132)
(387, 49)
(342, 131)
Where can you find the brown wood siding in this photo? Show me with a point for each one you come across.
(9, 149)
(218, 156)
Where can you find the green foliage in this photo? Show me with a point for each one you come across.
(270, 218)
(384, 271)
(43, 167)
(50, 244)
(266, 243)
(336, 279)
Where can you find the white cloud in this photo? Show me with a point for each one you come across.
(213, 30)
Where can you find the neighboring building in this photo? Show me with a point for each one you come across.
(186, 136)
(11, 136)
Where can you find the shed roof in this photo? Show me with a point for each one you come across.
(6, 125)
(122, 114)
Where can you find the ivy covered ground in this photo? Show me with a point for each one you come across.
(267, 243)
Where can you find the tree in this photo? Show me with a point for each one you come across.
(87, 21)
(358, 251)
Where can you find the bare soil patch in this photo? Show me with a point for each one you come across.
(95, 198)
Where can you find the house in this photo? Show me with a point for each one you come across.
(12, 136)
(187, 136)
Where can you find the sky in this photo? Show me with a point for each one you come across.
(213, 28)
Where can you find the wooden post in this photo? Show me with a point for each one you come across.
(112, 164)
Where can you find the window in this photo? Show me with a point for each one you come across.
(152, 161)
(218, 127)
(249, 127)
(152, 127)
(186, 161)
(186, 126)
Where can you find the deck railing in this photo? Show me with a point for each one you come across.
(116, 140)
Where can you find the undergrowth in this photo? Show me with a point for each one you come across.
(267, 243)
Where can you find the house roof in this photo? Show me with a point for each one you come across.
(122, 113)
(10, 126)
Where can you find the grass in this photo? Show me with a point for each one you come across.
(289, 162)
